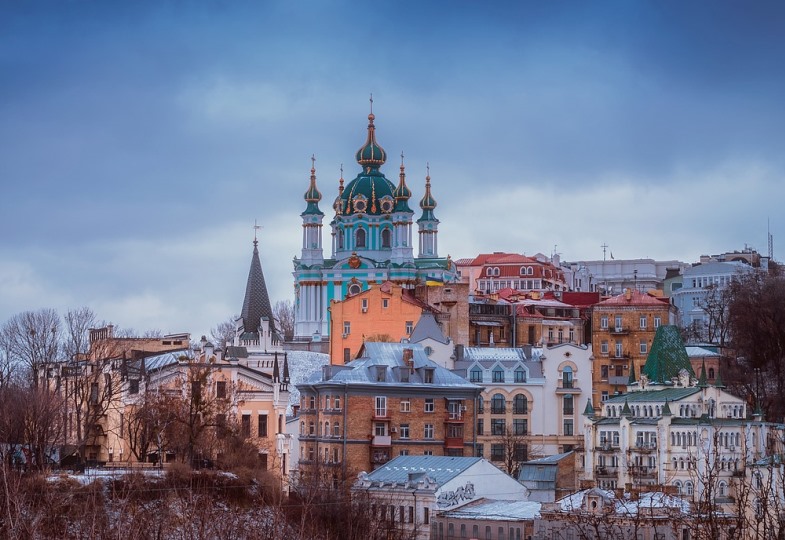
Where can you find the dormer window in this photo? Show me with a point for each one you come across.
(428, 376)
(475, 375)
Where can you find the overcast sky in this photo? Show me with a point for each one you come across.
(140, 140)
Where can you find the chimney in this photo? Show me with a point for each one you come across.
(628, 294)
(408, 358)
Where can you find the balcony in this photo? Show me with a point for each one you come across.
(618, 380)
(498, 410)
(567, 387)
(455, 417)
(619, 330)
(453, 442)
(645, 447)
(642, 472)
(607, 447)
(606, 472)
(621, 356)
(380, 457)
(380, 415)
(381, 441)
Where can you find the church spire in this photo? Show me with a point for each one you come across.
(313, 196)
(427, 203)
(256, 305)
(402, 193)
(371, 155)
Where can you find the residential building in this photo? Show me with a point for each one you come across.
(411, 489)
(491, 272)
(392, 400)
(436, 345)
(623, 328)
(675, 430)
(386, 312)
(698, 300)
(487, 518)
(452, 308)
(529, 403)
(614, 276)
(372, 241)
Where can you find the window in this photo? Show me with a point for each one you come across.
(403, 453)
(409, 327)
(520, 426)
(480, 427)
(359, 239)
(427, 452)
(337, 402)
(337, 429)
(426, 519)
(688, 487)
(566, 377)
(604, 395)
(644, 347)
(643, 322)
(497, 404)
(220, 389)
(475, 375)
(406, 405)
(386, 238)
(617, 322)
(133, 386)
(520, 375)
(604, 372)
(604, 347)
(381, 406)
(347, 328)
(347, 355)
(404, 433)
(262, 425)
(568, 427)
(385, 303)
(480, 405)
(657, 322)
(567, 404)
(497, 452)
(380, 429)
(94, 392)
(428, 431)
(245, 427)
(364, 305)
(478, 451)
(520, 404)
(429, 405)
(498, 375)
(619, 349)
(428, 376)
(497, 426)
(604, 322)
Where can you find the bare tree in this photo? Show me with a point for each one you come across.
(32, 339)
(516, 445)
(283, 311)
(223, 332)
(715, 304)
(76, 341)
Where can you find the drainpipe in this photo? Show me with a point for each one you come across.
(345, 407)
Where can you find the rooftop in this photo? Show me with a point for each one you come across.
(440, 469)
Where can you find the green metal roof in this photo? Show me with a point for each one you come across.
(667, 356)
(666, 394)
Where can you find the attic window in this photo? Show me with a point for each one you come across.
(428, 376)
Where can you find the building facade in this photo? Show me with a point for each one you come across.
(528, 407)
(614, 276)
(623, 329)
(372, 241)
(390, 401)
(491, 272)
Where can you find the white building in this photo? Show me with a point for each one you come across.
(613, 276)
(411, 489)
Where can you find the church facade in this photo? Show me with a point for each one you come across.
(371, 237)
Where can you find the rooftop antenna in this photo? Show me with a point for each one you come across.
(604, 247)
(771, 239)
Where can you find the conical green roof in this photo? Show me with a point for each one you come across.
(718, 380)
(703, 380)
(666, 409)
(589, 410)
(667, 356)
(632, 379)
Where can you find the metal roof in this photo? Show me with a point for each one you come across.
(669, 394)
(490, 509)
(441, 469)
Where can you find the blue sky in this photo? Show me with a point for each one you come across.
(140, 140)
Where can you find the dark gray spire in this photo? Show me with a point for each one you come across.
(256, 305)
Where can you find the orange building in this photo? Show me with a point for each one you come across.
(385, 312)
(623, 331)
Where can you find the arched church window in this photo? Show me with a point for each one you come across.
(386, 238)
(340, 239)
(359, 239)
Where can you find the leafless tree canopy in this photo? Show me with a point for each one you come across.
(223, 333)
(283, 311)
(32, 339)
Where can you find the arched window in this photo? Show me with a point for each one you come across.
(688, 489)
(302, 428)
(340, 238)
(386, 238)
(497, 404)
(359, 238)
(327, 429)
(520, 405)
(495, 270)
(489, 271)
(678, 486)
(529, 271)
(566, 377)
(475, 375)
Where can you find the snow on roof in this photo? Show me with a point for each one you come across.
(700, 352)
(493, 353)
(624, 504)
(490, 509)
(440, 469)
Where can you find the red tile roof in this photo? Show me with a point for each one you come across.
(637, 298)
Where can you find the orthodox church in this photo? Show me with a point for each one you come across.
(371, 240)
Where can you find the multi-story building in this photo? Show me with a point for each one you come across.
(613, 276)
(528, 406)
(491, 272)
(386, 312)
(623, 330)
(696, 310)
(674, 430)
(452, 304)
(392, 400)
(410, 491)
(372, 241)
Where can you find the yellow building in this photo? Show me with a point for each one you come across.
(385, 312)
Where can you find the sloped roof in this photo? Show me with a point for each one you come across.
(700, 352)
(667, 356)
(637, 298)
(441, 469)
(427, 327)
(666, 394)
(256, 304)
(491, 509)
(493, 353)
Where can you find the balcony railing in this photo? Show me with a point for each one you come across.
(453, 442)
(454, 417)
(619, 330)
(381, 414)
(606, 472)
(381, 440)
(498, 410)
